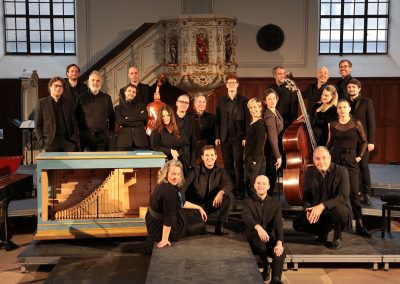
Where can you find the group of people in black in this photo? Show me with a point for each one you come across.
(191, 185)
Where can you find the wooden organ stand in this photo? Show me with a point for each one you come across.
(94, 194)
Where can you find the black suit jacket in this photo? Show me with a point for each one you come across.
(365, 112)
(187, 130)
(341, 85)
(275, 126)
(287, 104)
(131, 117)
(241, 118)
(338, 188)
(45, 123)
(142, 94)
(267, 214)
(69, 93)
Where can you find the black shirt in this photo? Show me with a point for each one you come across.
(59, 117)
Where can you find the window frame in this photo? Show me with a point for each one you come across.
(51, 32)
(366, 17)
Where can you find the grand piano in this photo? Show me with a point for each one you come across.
(12, 186)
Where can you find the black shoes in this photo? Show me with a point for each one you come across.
(276, 280)
(266, 272)
(362, 231)
(322, 239)
(364, 199)
(336, 244)
(219, 229)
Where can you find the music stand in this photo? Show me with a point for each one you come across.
(25, 125)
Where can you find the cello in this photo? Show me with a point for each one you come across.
(154, 106)
(299, 144)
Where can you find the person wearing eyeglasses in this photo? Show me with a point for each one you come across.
(186, 125)
(231, 119)
(56, 128)
(345, 69)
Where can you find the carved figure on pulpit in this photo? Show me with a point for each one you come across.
(228, 48)
(202, 48)
(173, 49)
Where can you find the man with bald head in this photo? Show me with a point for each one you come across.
(264, 228)
(314, 91)
(326, 200)
(142, 90)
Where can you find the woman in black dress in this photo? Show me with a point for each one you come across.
(254, 147)
(347, 143)
(273, 145)
(324, 112)
(166, 221)
(166, 138)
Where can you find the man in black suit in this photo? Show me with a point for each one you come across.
(131, 117)
(326, 200)
(287, 103)
(95, 115)
(56, 128)
(73, 88)
(208, 186)
(231, 119)
(362, 108)
(264, 228)
(205, 123)
(186, 126)
(142, 90)
(345, 69)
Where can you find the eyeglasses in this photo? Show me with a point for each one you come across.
(183, 102)
(231, 82)
(57, 86)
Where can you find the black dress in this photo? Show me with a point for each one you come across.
(320, 123)
(254, 151)
(343, 147)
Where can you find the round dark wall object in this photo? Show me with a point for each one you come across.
(270, 37)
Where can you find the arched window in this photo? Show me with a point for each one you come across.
(39, 27)
(354, 27)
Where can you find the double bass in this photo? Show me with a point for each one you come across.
(299, 144)
(154, 106)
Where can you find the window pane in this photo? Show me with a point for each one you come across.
(70, 48)
(325, 35)
(335, 47)
(10, 23)
(371, 47)
(20, 8)
(33, 9)
(45, 24)
(359, 23)
(348, 47)
(58, 36)
(34, 24)
(372, 9)
(335, 35)
(348, 23)
(359, 9)
(44, 9)
(58, 24)
(383, 9)
(11, 35)
(336, 9)
(382, 47)
(35, 47)
(372, 23)
(324, 48)
(69, 36)
(382, 23)
(9, 9)
(45, 36)
(35, 36)
(348, 9)
(335, 23)
(58, 9)
(348, 35)
(359, 35)
(382, 35)
(21, 24)
(371, 36)
(358, 47)
(11, 47)
(22, 47)
(69, 24)
(46, 47)
(69, 9)
(59, 47)
(21, 35)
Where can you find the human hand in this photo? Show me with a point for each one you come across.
(174, 154)
(218, 199)
(358, 159)
(203, 214)
(314, 212)
(163, 243)
(278, 249)
(262, 234)
(217, 142)
(278, 163)
(371, 147)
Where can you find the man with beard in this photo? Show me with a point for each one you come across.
(73, 88)
(345, 69)
(142, 90)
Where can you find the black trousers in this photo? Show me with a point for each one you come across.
(365, 175)
(336, 218)
(223, 209)
(267, 249)
(96, 140)
(347, 159)
(232, 155)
